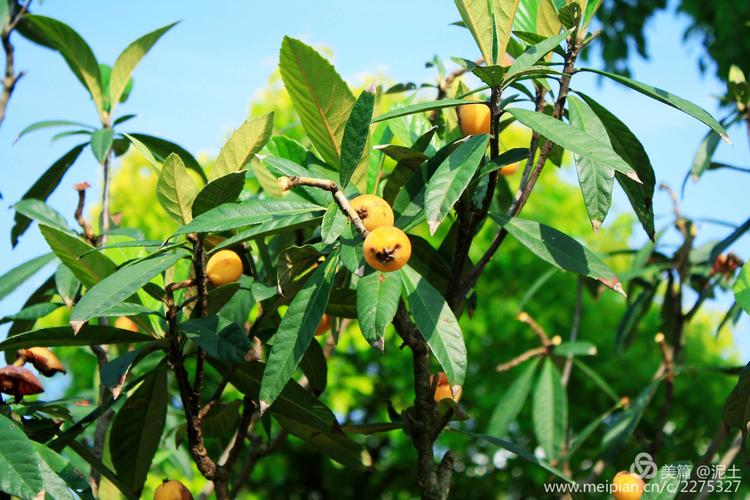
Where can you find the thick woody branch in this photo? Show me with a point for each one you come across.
(287, 183)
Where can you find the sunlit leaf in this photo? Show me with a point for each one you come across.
(510, 404)
(101, 142)
(550, 411)
(221, 190)
(355, 136)
(242, 145)
(176, 189)
(14, 278)
(378, 295)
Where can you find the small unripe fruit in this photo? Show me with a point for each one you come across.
(224, 267)
(172, 490)
(387, 249)
(323, 326)
(474, 119)
(124, 323)
(627, 486)
(373, 210)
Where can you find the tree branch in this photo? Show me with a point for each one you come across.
(10, 78)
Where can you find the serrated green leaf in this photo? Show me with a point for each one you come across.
(451, 178)
(242, 145)
(101, 142)
(221, 190)
(627, 145)
(378, 295)
(573, 139)
(128, 60)
(159, 149)
(355, 136)
(137, 428)
(21, 475)
(596, 179)
(59, 475)
(437, 324)
(234, 215)
(319, 95)
(333, 224)
(43, 188)
(351, 249)
(509, 406)
(73, 48)
(550, 411)
(226, 342)
(296, 330)
(11, 280)
(120, 286)
(39, 211)
(669, 99)
(87, 265)
(559, 249)
(176, 190)
(64, 336)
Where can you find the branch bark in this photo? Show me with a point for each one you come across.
(10, 78)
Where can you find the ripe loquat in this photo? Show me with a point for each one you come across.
(509, 169)
(172, 490)
(474, 119)
(627, 486)
(373, 210)
(124, 323)
(387, 249)
(444, 390)
(323, 326)
(224, 267)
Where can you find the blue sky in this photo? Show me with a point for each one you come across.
(196, 85)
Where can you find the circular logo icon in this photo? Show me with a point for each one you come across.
(644, 466)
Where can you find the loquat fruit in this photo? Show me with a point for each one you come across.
(387, 249)
(323, 326)
(627, 486)
(474, 119)
(225, 266)
(509, 169)
(172, 490)
(124, 323)
(444, 390)
(373, 210)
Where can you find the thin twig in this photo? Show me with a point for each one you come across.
(10, 78)
(531, 353)
(525, 317)
(574, 327)
(88, 233)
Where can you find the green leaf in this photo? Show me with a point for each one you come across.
(534, 54)
(576, 348)
(277, 225)
(113, 372)
(160, 149)
(333, 224)
(296, 330)
(518, 450)
(550, 411)
(227, 343)
(596, 179)
(282, 166)
(319, 95)
(588, 14)
(14, 278)
(74, 50)
(355, 135)
(39, 211)
(477, 17)
(234, 215)
(48, 124)
(351, 249)
(302, 414)
(101, 142)
(33, 312)
(624, 426)
(21, 475)
(315, 367)
(437, 324)
(120, 286)
(129, 59)
(559, 249)
(573, 139)
(627, 145)
(507, 157)
(736, 411)
(87, 265)
(741, 288)
(378, 295)
(137, 428)
(666, 484)
(242, 145)
(665, 97)
(43, 188)
(63, 475)
(421, 107)
(451, 178)
(704, 155)
(176, 189)
(509, 406)
(504, 11)
(4, 13)
(67, 284)
(64, 336)
(221, 190)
